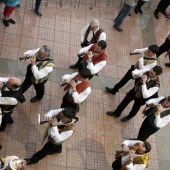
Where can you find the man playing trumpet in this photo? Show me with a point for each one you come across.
(134, 155)
(92, 57)
(158, 116)
(60, 129)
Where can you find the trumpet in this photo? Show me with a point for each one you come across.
(24, 58)
(62, 84)
(132, 53)
(41, 122)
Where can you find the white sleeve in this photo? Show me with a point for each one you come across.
(38, 74)
(84, 50)
(60, 137)
(135, 167)
(69, 76)
(148, 92)
(78, 98)
(2, 79)
(95, 68)
(130, 142)
(161, 122)
(31, 52)
(83, 32)
(102, 36)
(8, 101)
(53, 113)
(142, 50)
(155, 100)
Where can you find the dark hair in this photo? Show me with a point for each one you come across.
(168, 98)
(147, 146)
(69, 112)
(47, 50)
(157, 70)
(85, 73)
(154, 48)
(102, 44)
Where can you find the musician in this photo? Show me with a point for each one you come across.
(145, 63)
(146, 88)
(158, 116)
(12, 163)
(61, 128)
(78, 88)
(92, 33)
(10, 95)
(94, 57)
(135, 156)
(42, 64)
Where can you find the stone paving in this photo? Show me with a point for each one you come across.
(97, 136)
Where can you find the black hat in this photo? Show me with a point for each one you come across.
(69, 112)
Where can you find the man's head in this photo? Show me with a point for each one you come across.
(152, 50)
(167, 102)
(67, 115)
(94, 24)
(156, 71)
(17, 164)
(13, 83)
(143, 147)
(84, 74)
(44, 52)
(101, 45)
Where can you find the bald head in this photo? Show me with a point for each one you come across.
(13, 83)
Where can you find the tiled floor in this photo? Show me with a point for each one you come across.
(96, 136)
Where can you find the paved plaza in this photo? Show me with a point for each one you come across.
(97, 136)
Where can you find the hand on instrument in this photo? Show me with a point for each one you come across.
(33, 60)
(144, 79)
(159, 109)
(54, 122)
(90, 55)
(48, 118)
(73, 84)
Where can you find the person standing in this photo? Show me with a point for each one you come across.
(10, 95)
(42, 64)
(139, 5)
(147, 87)
(145, 63)
(37, 8)
(10, 5)
(92, 33)
(161, 7)
(158, 116)
(134, 155)
(59, 130)
(124, 12)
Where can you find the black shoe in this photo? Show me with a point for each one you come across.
(140, 11)
(10, 121)
(11, 21)
(2, 129)
(6, 23)
(73, 66)
(118, 29)
(111, 90)
(156, 15)
(111, 114)
(29, 162)
(125, 119)
(34, 99)
(39, 13)
(136, 10)
(165, 13)
(0, 147)
(167, 64)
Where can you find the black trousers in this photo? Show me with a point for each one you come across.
(162, 6)
(5, 119)
(164, 47)
(116, 165)
(130, 96)
(140, 4)
(39, 88)
(146, 130)
(125, 79)
(37, 5)
(49, 148)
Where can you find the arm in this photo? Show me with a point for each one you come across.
(161, 122)
(31, 52)
(142, 50)
(155, 100)
(78, 98)
(53, 113)
(2, 79)
(148, 92)
(148, 66)
(84, 50)
(69, 76)
(130, 142)
(135, 167)
(95, 68)
(83, 32)
(102, 36)
(8, 101)
(38, 74)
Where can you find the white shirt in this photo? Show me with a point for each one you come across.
(102, 36)
(126, 157)
(53, 131)
(78, 98)
(38, 74)
(93, 68)
(148, 92)
(7, 161)
(159, 122)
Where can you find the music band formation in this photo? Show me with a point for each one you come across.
(92, 58)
